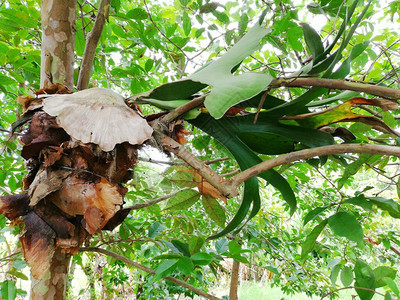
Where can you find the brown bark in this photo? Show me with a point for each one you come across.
(57, 66)
(58, 40)
(54, 284)
(233, 290)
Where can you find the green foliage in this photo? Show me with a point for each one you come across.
(154, 59)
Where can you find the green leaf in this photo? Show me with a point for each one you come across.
(391, 206)
(353, 168)
(17, 274)
(228, 89)
(382, 272)
(361, 201)
(166, 268)
(202, 258)
(222, 245)
(149, 65)
(311, 239)
(185, 265)
(137, 14)
(155, 229)
(314, 214)
(8, 290)
(313, 40)
(214, 210)
(364, 278)
(182, 247)
(183, 200)
(187, 24)
(335, 272)
(346, 276)
(195, 243)
(183, 178)
(392, 285)
(234, 248)
(346, 225)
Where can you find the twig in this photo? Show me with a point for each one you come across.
(338, 84)
(175, 163)
(351, 287)
(91, 45)
(160, 31)
(309, 153)
(148, 270)
(154, 201)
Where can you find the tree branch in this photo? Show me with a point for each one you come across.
(177, 112)
(309, 153)
(338, 84)
(175, 163)
(148, 270)
(200, 167)
(154, 201)
(351, 287)
(91, 45)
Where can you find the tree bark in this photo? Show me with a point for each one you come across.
(233, 291)
(58, 41)
(54, 284)
(57, 66)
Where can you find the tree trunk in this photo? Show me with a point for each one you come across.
(233, 291)
(57, 66)
(58, 41)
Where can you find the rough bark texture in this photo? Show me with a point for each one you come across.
(58, 40)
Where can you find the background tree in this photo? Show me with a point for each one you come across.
(247, 118)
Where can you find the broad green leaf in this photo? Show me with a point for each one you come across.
(202, 258)
(382, 272)
(166, 268)
(266, 143)
(335, 273)
(8, 290)
(311, 239)
(353, 168)
(234, 248)
(392, 285)
(346, 225)
(185, 265)
(314, 214)
(214, 210)
(222, 245)
(364, 278)
(195, 243)
(137, 14)
(182, 177)
(229, 89)
(361, 201)
(183, 200)
(155, 229)
(391, 206)
(187, 24)
(346, 275)
(182, 247)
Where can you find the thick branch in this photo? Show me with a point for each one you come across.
(148, 270)
(200, 167)
(338, 84)
(233, 289)
(91, 45)
(309, 153)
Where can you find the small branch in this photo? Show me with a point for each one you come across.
(154, 201)
(175, 163)
(148, 270)
(351, 287)
(200, 167)
(160, 31)
(177, 112)
(309, 153)
(91, 45)
(338, 84)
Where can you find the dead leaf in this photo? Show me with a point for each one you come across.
(56, 88)
(37, 243)
(46, 182)
(14, 206)
(206, 188)
(98, 116)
